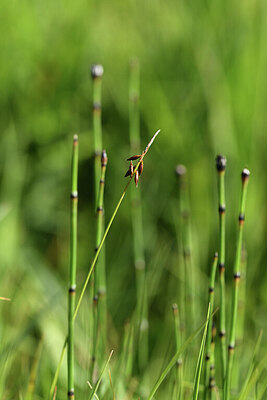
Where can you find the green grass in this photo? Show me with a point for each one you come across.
(203, 82)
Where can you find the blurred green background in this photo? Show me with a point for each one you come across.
(203, 83)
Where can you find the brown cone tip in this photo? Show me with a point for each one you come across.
(180, 170)
(220, 163)
(97, 70)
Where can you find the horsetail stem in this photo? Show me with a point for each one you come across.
(221, 165)
(212, 383)
(137, 222)
(97, 72)
(209, 333)
(100, 276)
(245, 177)
(178, 342)
(189, 287)
(73, 262)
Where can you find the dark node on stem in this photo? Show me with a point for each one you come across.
(96, 248)
(213, 331)
(101, 292)
(187, 253)
(207, 357)
(97, 153)
(245, 174)
(241, 217)
(237, 276)
(211, 289)
(231, 347)
(95, 300)
(220, 163)
(71, 393)
(212, 367)
(102, 181)
(74, 195)
(135, 157)
(185, 214)
(104, 158)
(222, 334)
(97, 71)
(179, 362)
(75, 139)
(212, 384)
(180, 170)
(134, 98)
(72, 289)
(215, 255)
(140, 264)
(96, 106)
(221, 266)
(93, 359)
(99, 209)
(221, 208)
(175, 309)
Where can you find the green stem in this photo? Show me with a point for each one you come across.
(100, 275)
(97, 73)
(179, 364)
(73, 262)
(188, 314)
(221, 165)
(209, 333)
(137, 223)
(241, 219)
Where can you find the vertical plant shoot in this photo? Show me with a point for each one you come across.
(221, 165)
(97, 71)
(209, 333)
(137, 222)
(73, 262)
(241, 219)
(188, 314)
(100, 307)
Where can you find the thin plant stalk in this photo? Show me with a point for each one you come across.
(188, 314)
(213, 390)
(179, 364)
(200, 358)
(137, 222)
(73, 262)
(97, 74)
(209, 333)
(93, 263)
(100, 307)
(245, 177)
(221, 165)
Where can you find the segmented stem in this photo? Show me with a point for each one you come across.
(245, 177)
(209, 333)
(100, 309)
(73, 262)
(221, 165)
(137, 222)
(97, 73)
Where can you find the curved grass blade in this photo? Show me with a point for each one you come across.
(200, 358)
